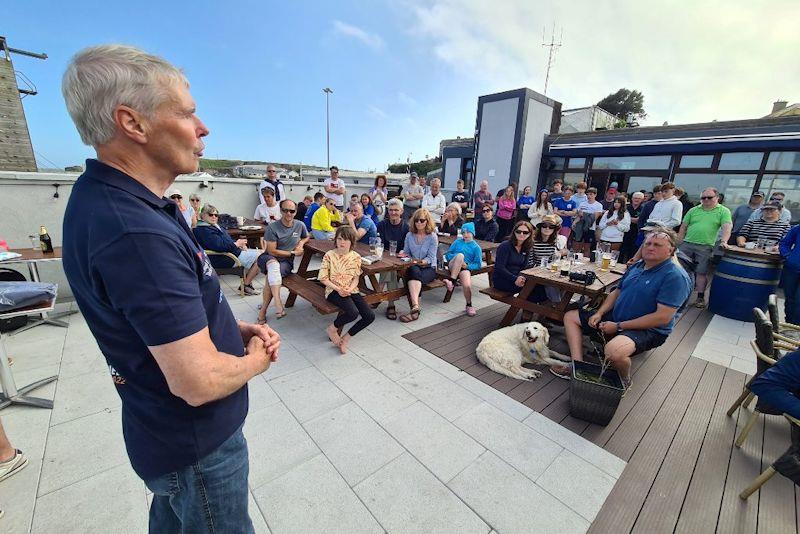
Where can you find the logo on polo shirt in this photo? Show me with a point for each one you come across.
(116, 377)
(208, 270)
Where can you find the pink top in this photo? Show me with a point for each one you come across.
(506, 207)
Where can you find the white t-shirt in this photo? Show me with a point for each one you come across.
(593, 207)
(188, 213)
(436, 205)
(668, 212)
(266, 213)
(338, 200)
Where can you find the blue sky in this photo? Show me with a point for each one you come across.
(408, 73)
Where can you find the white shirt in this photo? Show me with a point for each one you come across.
(188, 213)
(338, 200)
(269, 214)
(615, 232)
(668, 212)
(591, 207)
(280, 194)
(435, 205)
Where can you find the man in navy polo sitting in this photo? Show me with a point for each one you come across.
(178, 358)
(639, 314)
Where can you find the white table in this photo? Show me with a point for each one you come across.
(32, 257)
(11, 394)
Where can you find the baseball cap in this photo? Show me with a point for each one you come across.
(758, 194)
(773, 204)
(175, 193)
(414, 173)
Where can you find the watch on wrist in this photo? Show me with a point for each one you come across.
(619, 328)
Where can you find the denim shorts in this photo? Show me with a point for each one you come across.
(644, 340)
(248, 257)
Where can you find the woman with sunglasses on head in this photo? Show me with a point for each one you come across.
(511, 257)
(339, 273)
(542, 207)
(422, 247)
(211, 237)
(614, 223)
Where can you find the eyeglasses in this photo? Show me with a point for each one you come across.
(547, 225)
(521, 232)
(213, 214)
(194, 200)
(706, 198)
(287, 210)
(176, 196)
(272, 171)
(420, 220)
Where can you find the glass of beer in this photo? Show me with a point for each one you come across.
(605, 261)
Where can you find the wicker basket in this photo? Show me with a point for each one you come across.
(591, 401)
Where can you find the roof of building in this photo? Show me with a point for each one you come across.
(788, 111)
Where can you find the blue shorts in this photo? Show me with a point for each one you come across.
(248, 257)
(644, 340)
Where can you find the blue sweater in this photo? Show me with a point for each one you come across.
(779, 385)
(790, 250)
(309, 214)
(212, 237)
(507, 265)
(424, 251)
(471, 251)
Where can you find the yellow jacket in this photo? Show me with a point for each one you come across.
(322, 219)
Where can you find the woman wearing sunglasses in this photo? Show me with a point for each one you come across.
(421, 246)
(614, 223)
(512, 257)
(211, 237)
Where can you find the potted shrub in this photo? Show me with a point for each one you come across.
(594, 391)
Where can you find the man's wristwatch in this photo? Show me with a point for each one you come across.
(619, 328)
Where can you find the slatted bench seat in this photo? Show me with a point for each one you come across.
(473, 272)
(312, 291)
(496, 294)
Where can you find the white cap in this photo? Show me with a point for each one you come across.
(175, 192)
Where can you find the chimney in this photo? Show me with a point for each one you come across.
(778, 105)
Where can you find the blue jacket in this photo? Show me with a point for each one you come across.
(212, 237)
(790, 250)
(779, 385)
(471, 251)
(309, 214)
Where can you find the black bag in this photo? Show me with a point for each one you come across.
(7, 325)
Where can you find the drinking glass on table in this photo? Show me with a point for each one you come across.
(392, 248)
(614, 258)
(373, 244)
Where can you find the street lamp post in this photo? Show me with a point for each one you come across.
(327, 92)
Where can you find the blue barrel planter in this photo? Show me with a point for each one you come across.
(743, 282)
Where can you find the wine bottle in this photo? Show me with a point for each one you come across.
(44, 238)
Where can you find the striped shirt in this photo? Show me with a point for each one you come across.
(543, 249)
(761, 229)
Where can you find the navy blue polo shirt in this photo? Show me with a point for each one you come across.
(641, 290)
(140, 279)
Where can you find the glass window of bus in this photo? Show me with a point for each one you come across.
(741, 161)
(736, 188)
(631, 162)
(783, 161)
(787, 184)
(696, 162)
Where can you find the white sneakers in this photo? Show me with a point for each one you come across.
(12, 466)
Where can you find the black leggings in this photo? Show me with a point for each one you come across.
(352, 306)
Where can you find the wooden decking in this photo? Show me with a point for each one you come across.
(683, 473)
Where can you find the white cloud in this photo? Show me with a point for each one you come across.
(376, 112)
(406, 100)
(694, 62)
(372, 40)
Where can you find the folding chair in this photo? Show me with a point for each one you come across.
(237, 268)
(788, 464)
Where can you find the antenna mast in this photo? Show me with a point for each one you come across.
(551, 57)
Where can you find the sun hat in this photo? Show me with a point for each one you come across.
(552, 219)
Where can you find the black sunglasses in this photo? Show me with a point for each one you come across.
(287, 210)
(521, 232)
(547, 225)
(175, 196)
(421, 220)
(213, 214)
(706, 198)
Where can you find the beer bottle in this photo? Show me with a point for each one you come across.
(44, 238)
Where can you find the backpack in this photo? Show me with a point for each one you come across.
(8, 325)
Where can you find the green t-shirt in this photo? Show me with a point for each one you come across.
(702, 226)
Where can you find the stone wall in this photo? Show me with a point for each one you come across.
(16, 152)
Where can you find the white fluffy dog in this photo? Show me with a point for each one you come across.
(505, 350)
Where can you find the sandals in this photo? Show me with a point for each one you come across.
(391, 313)
(281, 314)
(412, 315)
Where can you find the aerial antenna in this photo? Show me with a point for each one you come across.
(551, 56)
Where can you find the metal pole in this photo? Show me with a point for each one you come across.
(327, 92)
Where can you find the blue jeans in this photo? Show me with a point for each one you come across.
(207, 496)
(790, 279)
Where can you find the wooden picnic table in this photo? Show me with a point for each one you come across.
(605, 283)
(372, 295)
(253, 236)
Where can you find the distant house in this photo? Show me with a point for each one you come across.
(780, 109)
(586, 119)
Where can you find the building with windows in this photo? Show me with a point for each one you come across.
(586, 119)
(735, 157)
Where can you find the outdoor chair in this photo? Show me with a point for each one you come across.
(788, 464)
(785, 331)
(236, 269)
(768, 351)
